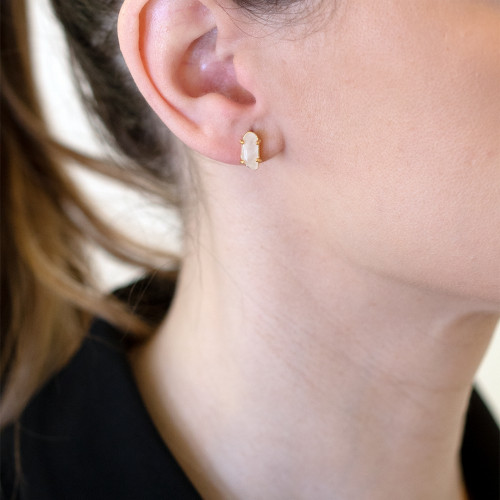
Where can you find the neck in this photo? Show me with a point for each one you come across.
(288, 372)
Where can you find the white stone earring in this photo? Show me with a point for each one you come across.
(250, 150)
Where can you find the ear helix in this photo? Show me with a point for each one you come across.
(250, 150)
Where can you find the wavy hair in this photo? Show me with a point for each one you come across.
(48, 294)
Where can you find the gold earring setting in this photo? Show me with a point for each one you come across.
(250, 150)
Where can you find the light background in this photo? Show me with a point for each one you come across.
(124, 208)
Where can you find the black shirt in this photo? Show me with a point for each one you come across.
(87, 434)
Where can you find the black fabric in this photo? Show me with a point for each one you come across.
(87, 434)
(481, 452)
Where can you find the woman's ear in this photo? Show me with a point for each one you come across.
(180, 54)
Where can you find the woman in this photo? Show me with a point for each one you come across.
(334, 300)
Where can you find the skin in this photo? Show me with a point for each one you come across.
(334, 305)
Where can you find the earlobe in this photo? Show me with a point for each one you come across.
(170, 47)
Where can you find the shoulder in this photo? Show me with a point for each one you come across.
(88, 433)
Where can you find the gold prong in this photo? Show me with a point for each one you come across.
(258, 142)
(242, 162)
(242, 141)
(258, 160)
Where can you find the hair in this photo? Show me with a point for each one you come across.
(47, 291)
(48, 294)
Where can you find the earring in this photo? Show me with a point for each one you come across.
(250, 150)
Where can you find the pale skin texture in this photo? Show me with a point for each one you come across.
(335, 304)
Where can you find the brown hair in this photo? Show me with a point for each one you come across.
(47, 292)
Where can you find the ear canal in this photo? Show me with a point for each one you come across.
(203, 72)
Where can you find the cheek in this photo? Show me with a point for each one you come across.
(401, 148)
(427, 171)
